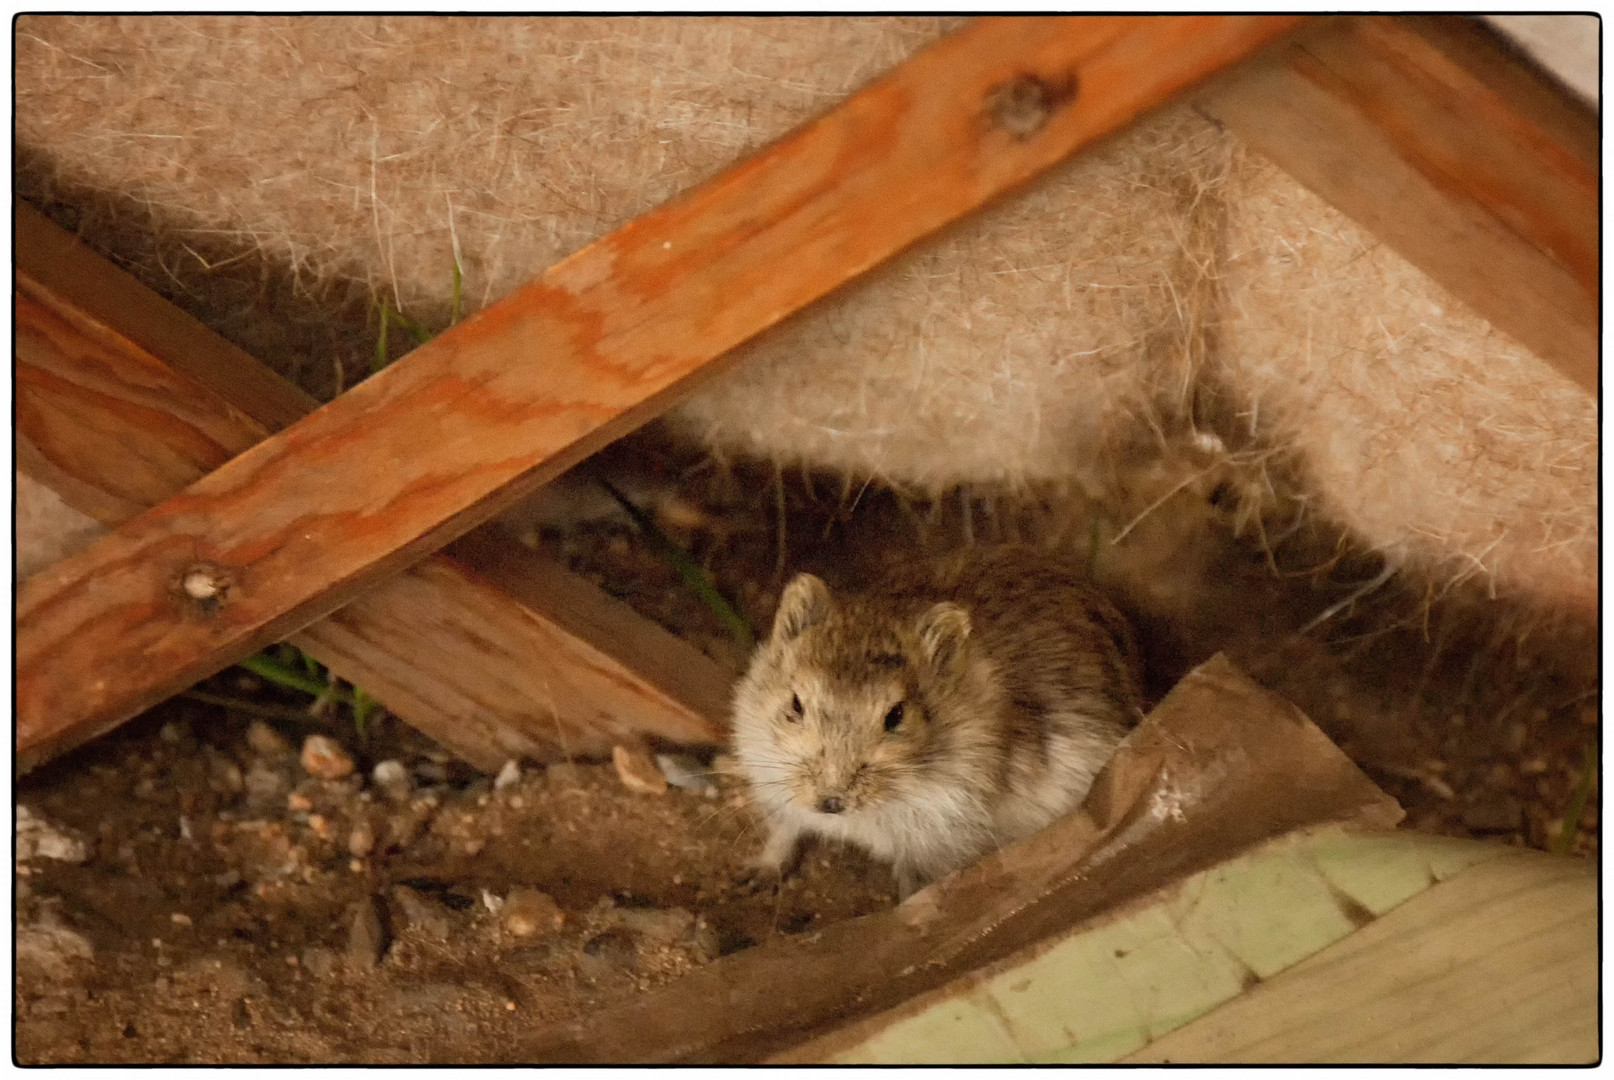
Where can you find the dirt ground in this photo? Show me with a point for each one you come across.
(187, 892)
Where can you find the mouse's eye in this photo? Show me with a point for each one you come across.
(795, 708)
(893, 717)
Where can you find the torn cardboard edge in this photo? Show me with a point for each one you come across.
(1219, 766)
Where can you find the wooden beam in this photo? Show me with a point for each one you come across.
(123, 400)
(606, 339)
(1434, 135)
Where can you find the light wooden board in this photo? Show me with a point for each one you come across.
(1496, 966)
(123, 400)
(1134, 974)
(1464, 159)
(1321, 946)
(407, 460)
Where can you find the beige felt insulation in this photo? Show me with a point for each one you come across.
(279, 175)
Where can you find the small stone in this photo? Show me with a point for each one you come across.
(179, 918)
(320, 825)
(1533, 766)
(323, 757)
(367, 936)
(526, 912)
(298, 803)
(361, 841)
(704, 940)
(267, 742)
(492, 901)
(39, 839)
(319, 961)
(656, 924)
(224, 776)
(404, 828)
(432, 772)
(265, 788)
(392, 779)
(510, 774)
(637, 771)
(419, 913)
(173, 733)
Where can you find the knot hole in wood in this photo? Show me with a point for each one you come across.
(205, 586)
(1023, 105)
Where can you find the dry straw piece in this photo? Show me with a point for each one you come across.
(1168, 294)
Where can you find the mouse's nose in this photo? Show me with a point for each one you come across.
(831, 804)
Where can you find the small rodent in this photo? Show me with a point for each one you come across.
(959, 704)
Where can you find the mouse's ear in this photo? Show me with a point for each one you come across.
(805, 602)
(943, 631)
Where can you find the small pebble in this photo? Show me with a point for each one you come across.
(393, 780)
(418, 912)
(361, 841)
(319, 961)
(179, 918)
(491, 901)
(323, 757)
(637, 771)
(526, 912)
(656, 924)
(267, 742)
(508, 775)
(298, 803)
(366, 937)
(432, 772)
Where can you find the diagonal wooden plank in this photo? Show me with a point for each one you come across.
(1454, 152)
(607, 338)
(122, 400)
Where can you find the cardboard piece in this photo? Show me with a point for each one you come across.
(1219, 766)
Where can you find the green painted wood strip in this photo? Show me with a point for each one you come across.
(1109, 989)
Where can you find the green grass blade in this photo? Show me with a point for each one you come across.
(694, 577)
(267, 667)
(1577, 802)
(419, 332)
(458, 309)
(381, 359)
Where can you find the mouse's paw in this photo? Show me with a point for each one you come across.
(778, 858)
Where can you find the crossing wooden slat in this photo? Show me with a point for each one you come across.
(1435, 136)
(404, 462)
(123, 399)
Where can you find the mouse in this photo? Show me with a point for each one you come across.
(956, 704)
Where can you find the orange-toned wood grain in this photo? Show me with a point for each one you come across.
(1438, 138)
(599, 343)
(546, 667)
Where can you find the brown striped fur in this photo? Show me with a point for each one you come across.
(1015, 677)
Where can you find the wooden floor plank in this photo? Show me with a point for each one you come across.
(1435, 136)
(1496, 966)
(122, 400)
(406, 461)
